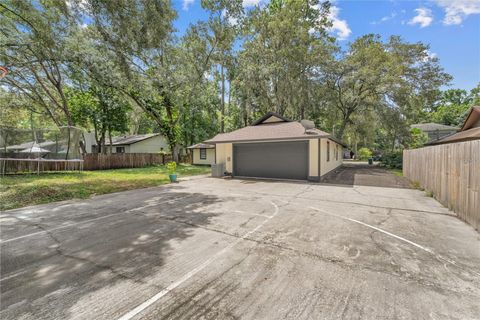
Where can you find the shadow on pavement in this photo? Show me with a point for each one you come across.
(62, 266)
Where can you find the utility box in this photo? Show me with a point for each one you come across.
(218, 170)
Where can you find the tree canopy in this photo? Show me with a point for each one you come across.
(119, 66)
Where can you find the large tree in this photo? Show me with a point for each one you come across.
(374, 74)
(454, 105)
(103, 109)
(285, 46)
(223, 27)
(34, 48)
(154, 65)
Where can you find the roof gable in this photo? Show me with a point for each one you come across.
(271, 117)
(473, 119)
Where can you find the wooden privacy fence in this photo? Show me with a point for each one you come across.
(95, 161)
(452, 173)
(90, 162)
(15, 165)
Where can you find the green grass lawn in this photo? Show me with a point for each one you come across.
(397, 172)
(30, 189)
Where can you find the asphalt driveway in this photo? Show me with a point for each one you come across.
(361, 174)
(227, 249)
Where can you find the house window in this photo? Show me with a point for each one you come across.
(120, 149)
(203, 154)
(328, 150)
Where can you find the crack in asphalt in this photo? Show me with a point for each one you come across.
(63, 253)
(334, 260)
(288, 201)
(351, 202)
(188, 298)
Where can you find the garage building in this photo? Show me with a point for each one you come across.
(278, 148)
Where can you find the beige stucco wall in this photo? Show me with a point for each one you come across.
(152, 145)
(210, 157)
(224, 154)
(313, 158)
(327, 166)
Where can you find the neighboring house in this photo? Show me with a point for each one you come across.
(140, 143)
(435, 131)
(469, 131)
(276, 147)
(203, 153)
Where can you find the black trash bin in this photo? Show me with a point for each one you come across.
(370, 161)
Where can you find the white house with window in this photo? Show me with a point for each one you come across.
(139, 143)
(203, 153)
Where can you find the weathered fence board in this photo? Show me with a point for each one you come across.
(452, 173)
(122, 160)
(89, 162)
(126, 160)
(15, 165)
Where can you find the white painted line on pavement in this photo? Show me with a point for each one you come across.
(439, 257)
(132, 313)
(89, 220)
(375, 228)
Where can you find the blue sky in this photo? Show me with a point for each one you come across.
(450, 27)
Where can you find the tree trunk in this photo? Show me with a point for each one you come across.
(110, 141)
(394, 138)
(222, 116)
(104, 149)
(341, 129)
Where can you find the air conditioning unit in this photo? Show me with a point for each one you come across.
(218, 170)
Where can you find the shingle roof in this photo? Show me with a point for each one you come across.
(122, 140)
(265, 130)
(269, 131)
(471, 134)
(202, 146)
(433, 127)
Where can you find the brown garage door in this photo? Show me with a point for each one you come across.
(282, 160)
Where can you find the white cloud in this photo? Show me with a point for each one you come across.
(186, 4)
(338, 25)
(429, 56)
(384, 19)
(251, 3)
(231, 20)
(432, 55)
(424, 17)
(458, 10)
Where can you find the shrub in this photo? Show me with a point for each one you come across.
(172, 167)
(392, 160)
(417, 138)
(364, 154)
